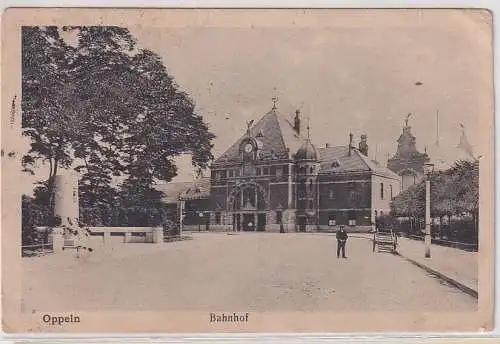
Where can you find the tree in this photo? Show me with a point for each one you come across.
(47, 107)
(109, 106)
(454, 192)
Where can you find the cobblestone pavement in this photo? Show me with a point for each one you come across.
(239, 272)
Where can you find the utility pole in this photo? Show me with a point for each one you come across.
(181, 216)
(428, 169)
(437, 128)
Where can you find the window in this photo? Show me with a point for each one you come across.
(311, 170)
(390, 190)
(302, 170)
(273, 170)
(331, 219)
(217, 218)
(301, 189)
(230, 173)
(223, 174)
(331, 194)
(279, 217)
(257, 171)
(310, 185)
(381, 190)
(335, 163)
(351, 215)
(311, 205)
(285, 169)
(237, 173)
(266, 171)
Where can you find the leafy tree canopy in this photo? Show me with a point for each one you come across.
(108, 107)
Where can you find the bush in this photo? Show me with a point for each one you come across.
(170, 228)
(33, 215)
(121, 217)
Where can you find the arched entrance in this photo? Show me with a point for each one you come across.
(248, 203)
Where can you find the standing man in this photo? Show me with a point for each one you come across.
(341, 240)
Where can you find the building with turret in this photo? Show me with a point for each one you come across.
(408, 162)
(274, 177)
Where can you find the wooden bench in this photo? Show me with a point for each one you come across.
(385, 240)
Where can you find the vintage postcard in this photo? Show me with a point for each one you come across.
(247, 170)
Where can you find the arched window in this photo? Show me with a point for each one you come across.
(310, 185)
(311, 170)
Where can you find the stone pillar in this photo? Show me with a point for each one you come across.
(107, 238)
(289, 220)
(57, 240)
(158, 235)
(66, 198)
(128, 237)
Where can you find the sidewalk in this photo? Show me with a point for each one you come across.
(457, 267)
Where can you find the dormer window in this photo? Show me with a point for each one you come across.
(260, 134)
(335, 163)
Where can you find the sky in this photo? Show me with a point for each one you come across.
(362, 74)
(359, 71)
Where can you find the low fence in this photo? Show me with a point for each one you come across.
(471, 247)
(36, 249)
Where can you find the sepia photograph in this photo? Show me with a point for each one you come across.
(253, 170)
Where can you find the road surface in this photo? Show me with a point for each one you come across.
(239, 272)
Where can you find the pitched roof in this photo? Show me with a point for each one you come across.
(337, 159)
(376, 168)
(444, 158)
(172, 191)
(275, 133)
(198, 189)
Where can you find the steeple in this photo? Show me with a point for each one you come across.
(308, 138)
(406, 142)
(437, 128)
(464, 142)
(296, 121)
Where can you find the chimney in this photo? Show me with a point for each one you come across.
(327, 145)
(296, 124)
(363, 146)
(350, 143)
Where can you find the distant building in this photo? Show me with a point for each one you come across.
(408, 162)
(275, 178)
(445, 157)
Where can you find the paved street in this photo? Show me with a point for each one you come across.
(239, 272)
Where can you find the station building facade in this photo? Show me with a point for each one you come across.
(274, 178)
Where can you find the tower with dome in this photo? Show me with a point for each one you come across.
(408, 162)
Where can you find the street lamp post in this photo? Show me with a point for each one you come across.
(200, 214)
(428, 169)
